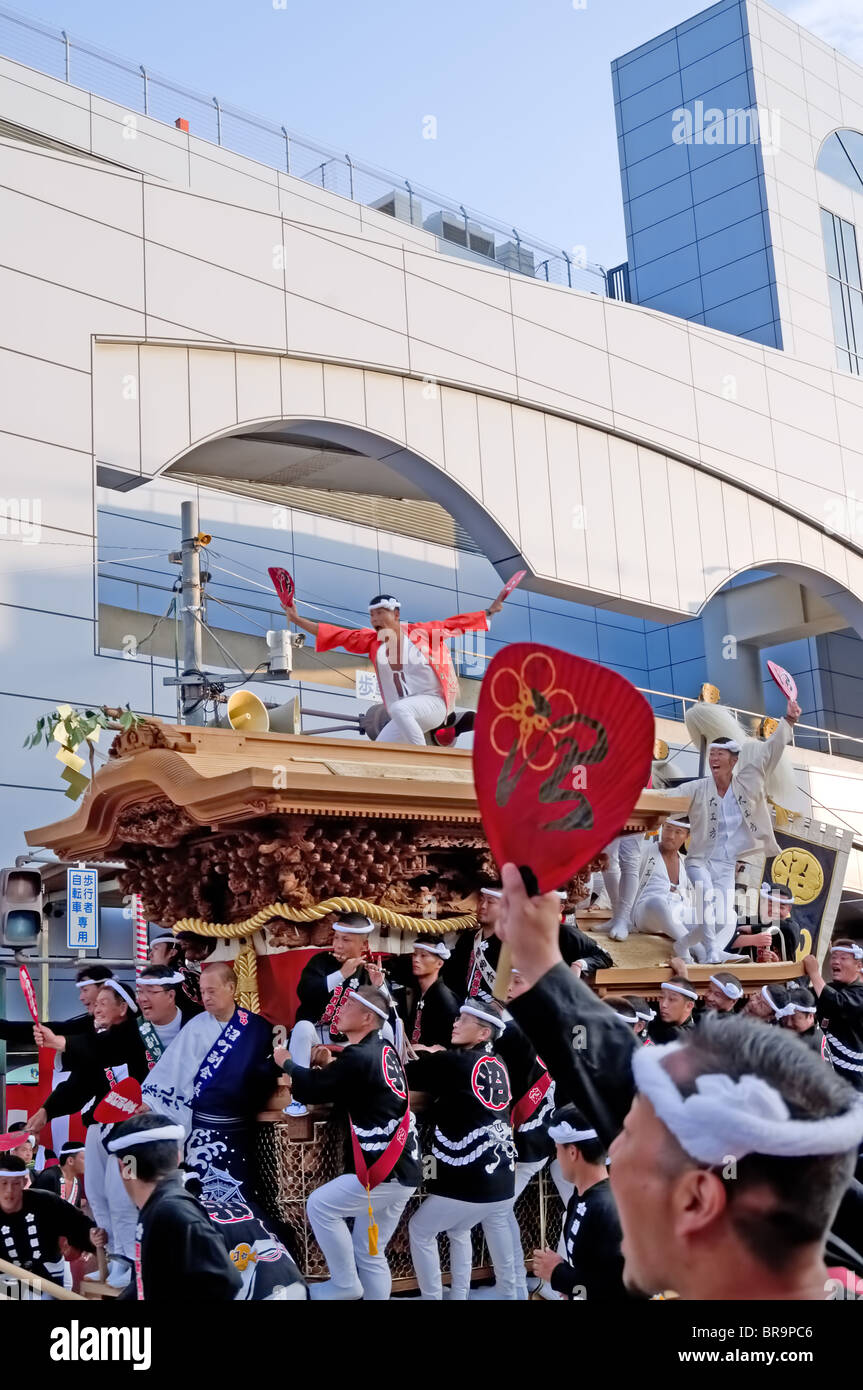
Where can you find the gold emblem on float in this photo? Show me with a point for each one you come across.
(800, 871)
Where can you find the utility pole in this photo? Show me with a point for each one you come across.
(192, 690)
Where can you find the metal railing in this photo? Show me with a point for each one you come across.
(458, 229)
(810, 736)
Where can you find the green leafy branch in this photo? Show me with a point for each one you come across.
(71, 728)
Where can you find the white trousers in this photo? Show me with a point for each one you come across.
(457, 1219)
(621, 877)
(329, 1210)
(411, 718)
(662, 914)
(523, 1174)
(306, 1035)
(713, 882)
(112, 1207)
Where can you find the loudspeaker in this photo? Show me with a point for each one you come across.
(249, 715)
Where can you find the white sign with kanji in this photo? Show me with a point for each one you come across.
(366, 686)
(82, 909)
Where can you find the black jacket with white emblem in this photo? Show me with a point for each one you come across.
(472, 1144)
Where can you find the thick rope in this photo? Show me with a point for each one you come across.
(384, 915)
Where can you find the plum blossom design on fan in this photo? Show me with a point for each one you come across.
(532, 708)
(540, 729)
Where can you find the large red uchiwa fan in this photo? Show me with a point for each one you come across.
(562, 749)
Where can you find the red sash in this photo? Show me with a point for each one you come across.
(418, 1022)
(386, 1162)
(524, 1108)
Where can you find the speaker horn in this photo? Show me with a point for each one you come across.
(247, 714)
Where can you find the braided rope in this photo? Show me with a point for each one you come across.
(384, 915)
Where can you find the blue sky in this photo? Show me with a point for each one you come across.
(521, 92)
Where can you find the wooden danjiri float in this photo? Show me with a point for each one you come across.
(253, 840)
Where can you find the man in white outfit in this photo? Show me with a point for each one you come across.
(729, 820)
(663, 897)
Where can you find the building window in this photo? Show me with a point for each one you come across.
(846, 291)
(841, 156)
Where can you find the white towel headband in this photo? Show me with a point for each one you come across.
(175, 979)
(678, 989)
(725, 1119)
(434, 948)
(785, 1012)
(564, 1133)
(166, 936)
(354, 931)
(118, 989)
(147, 1136)
(16, 1172)
(391, 603)
(365, 1004)
(854, 951)
(730, 747)
(486, 1018)
(731, 991)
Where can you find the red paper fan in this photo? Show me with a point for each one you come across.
(512, 582)
(283, 585)
(784, 679)
(120, 1103)
(29, 992)
(562, 750)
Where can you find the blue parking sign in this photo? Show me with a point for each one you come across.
(82, 909)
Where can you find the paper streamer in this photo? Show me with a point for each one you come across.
(141, 952)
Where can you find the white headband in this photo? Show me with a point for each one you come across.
(683, 824)
(854, 951)
(726, 1119)
(771, 890)
(147, 1136)
(730, 990)
(164, 937)
(631, 1017)
(729, 747)
(354, 931)
(800, 1009)
(13, 1172)
(364, 1004)
(678, 989)
(88, 980)
(565, 1134)
(434, 948)
(486, 1018)
(175, 979)
(785, 1012)
(391, 603)
(645, 1018)
(492, 892)
(118, 989)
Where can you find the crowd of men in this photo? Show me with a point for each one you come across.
(628, 1104)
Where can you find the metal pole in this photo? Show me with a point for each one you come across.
(218, 121)
(350, 174)
(146, 91)
(68, 55)
(410, 202)
(193, 710)
(287, 151)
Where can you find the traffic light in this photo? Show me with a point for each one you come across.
(20, 907)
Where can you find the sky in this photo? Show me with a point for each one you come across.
(520, 92)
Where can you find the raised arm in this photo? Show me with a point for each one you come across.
(587, 1049)
(307, 624)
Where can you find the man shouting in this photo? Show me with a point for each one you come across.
(418, 683)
